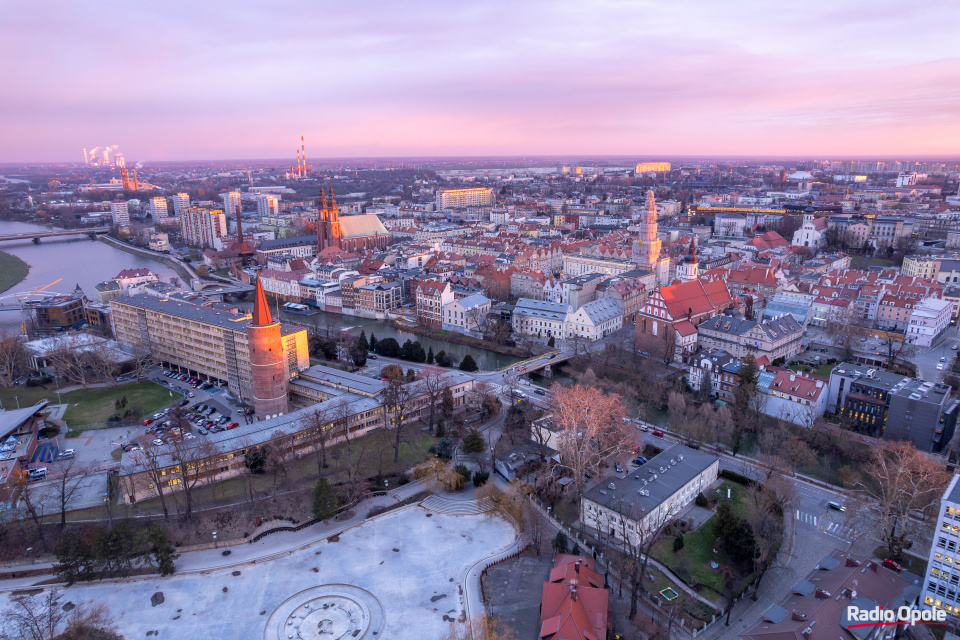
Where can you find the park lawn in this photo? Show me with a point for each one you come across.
(738, 495)
(697, 552)
(94, 406)
(12, 271)
(27, 396)
(823, 370)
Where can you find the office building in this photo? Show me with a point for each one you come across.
(202, 227)
(469, 197)
(885, 405)
(209, 341)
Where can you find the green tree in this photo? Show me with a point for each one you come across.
(162, 550)
(373, 342)
(678, 542)
(388, 347)
(443, 360)
(480, 478)
(362, 341)
(463, 470)
(74, 558)
(441, 430)
(325, 500)
(358, 354)
(560, 542)
(551, 342)
(430, 356)
(473, 443)
(468, 364)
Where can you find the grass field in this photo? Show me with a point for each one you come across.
(92, 406)
(823, 370)
(12, 270)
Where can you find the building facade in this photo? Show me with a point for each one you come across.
(202, 227)
(469, 197)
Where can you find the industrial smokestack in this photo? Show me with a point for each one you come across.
(86, 159)
(303, 148)
(298, 162)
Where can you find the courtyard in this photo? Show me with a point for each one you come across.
(402, 571)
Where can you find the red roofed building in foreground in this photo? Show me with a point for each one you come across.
(691, 302)
(574, 605)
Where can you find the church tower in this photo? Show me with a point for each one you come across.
(689, 267)
(647, 247)
(267, 374)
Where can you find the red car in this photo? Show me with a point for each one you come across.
(233, 425)
(148, 421)
(890, 564)
(657, 433)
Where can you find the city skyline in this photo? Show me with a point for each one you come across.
(215, 81)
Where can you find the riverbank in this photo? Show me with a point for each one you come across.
(459, 338)
(182, 270)
(13, 270)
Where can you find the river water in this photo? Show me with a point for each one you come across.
(88, 262)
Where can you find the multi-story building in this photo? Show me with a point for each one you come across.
(202, 227)
(157, 208)
(469, 197)
(540, 318)
(181, 202)
(738, 336)
(595, 320)
(159, 242)
(208, 341)
(467, 314)
(268, 205)
(376, 298)
(636, 507)
(885, 405)
(431, 298)
(793, 397)
(941, 585)
(231, 202)
(929, 320)
(652, 167)
(120, 213)
(61, 312)
(574, 265)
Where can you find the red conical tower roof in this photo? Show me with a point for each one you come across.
(261, 310)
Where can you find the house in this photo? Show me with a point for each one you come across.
(595, 320)
(574, 604)
(795, 397)
(706, 367)
(540, 318)
(466, 315)
(819, 605)
(431, 297)
(929, 320)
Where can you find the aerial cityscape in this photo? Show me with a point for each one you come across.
(541, 321)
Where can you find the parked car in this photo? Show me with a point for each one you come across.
(618, 468)
(67, 453)
(202, 431)
(890, 564)
(940, 367)
(955, 347)
(657, 433)
(943, 359)
(233, 425)
(191, 394)
(373, 356)
(37, 474)
(148, 421)
(158, 442)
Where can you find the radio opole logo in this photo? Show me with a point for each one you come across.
(901, 615)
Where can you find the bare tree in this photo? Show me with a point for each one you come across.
(13, 357)
(397, 400)
(637, 547)
(152, 459)
(481, 627)
(33, 616)
(906, 487)
(36, 503)
(192, 457)
(142, 359)
(592, 429)
(433, 380)
(319, 422)
(68, 478)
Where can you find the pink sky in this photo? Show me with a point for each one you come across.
(209, 79)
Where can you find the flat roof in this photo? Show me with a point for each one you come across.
(212, 313)
(322, 374)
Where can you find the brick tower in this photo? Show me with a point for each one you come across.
(269, 380)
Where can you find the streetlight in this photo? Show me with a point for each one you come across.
(30, 551)
(215, 540)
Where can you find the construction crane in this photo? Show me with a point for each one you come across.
(34, 292)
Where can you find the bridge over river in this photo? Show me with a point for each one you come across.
(92, 232)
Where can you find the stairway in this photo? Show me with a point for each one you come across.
(454, 507)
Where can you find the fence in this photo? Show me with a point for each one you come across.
(309, 523)
(483, 574)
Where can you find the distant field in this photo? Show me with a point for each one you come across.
(12, 271)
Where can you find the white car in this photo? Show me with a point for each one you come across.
(158, 442)
(67, 453)
(939, 367)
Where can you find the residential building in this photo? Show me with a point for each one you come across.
(652, 167)
(61, 312)
(467, 315)
(635, 507)
(574, 605)
(181, 202)
(268, 205)
(595, 320)
(159, 242)
(231, 202)
(738, 336)
(795, 397)
(578, 265)
(885, 405)
(941, 585)
(202, 227)
(707, 367)
(299, 246)
(468, 197)
(818, 606)
(929, 320)
(431, 299)
(208, 341)
(374, 299)
(120, 213)
(157, 208)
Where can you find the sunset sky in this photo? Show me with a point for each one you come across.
(218, 80)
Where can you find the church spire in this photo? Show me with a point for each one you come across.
(334, 214)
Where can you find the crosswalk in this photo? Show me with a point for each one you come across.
(825, 525)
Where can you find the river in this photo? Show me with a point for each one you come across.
(89, 262)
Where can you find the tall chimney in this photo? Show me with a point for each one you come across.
(303, 148)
